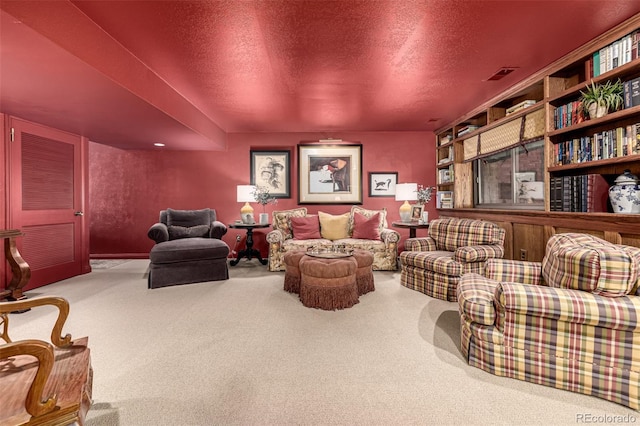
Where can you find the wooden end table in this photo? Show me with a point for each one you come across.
(19, 268)
(412, 226)
(249, 252)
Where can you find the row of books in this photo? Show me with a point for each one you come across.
(466, 129)
(444, 200)
(583, 193)
(616, 54)
(445, 175)
(618, 142)
(568, 115)
(632, 92)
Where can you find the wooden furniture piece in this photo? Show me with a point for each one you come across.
(249, 252)
(555, 88)
(412, 226)
(19, 268)
(43, 383)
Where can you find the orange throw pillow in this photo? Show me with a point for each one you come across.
(366, 229)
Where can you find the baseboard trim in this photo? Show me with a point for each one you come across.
(119, 256)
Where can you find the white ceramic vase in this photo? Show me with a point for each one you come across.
(264, 218)
(625, 194)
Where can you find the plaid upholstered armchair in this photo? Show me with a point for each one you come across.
(571, 322)
(434, 264)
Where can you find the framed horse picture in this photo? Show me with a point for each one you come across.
(382, 184)
(329, 174)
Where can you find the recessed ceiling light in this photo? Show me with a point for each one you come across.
(158, 144)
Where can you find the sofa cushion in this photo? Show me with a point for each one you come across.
(305, 228)
(366, 228)
(282, 220)
(587, 263)
(368, 214)
(188, 218)
(189, 249)
(451, 233)
(334, 227)
(177, 232)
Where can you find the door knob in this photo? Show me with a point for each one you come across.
(79, 213)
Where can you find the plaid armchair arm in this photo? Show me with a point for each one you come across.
(389, 236)
(575, 306)
(478, 253)
(420, 244)
(516, 271)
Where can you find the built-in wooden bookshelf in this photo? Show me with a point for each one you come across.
(554, 90)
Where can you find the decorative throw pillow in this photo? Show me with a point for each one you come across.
(305, 228)
(177, 232)
(366, 228)
(367, 213)
(282, 220)
(334, 227)
(188, 218)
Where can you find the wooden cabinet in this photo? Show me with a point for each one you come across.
(551, 92)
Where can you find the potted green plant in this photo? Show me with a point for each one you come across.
(601, 98)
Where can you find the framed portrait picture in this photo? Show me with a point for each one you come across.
(382, 184)
(272, 169)
(416, 212)
(329, 174)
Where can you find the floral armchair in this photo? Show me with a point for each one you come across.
(570, 322)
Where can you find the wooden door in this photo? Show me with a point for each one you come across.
(45, 200)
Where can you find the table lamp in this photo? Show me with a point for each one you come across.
(245, 194)
(406, 192)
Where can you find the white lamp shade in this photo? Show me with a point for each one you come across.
(406, 191)
(245, 193)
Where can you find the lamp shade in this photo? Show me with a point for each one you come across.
(245, 193)
(406, 191)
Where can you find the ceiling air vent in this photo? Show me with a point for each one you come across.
(501, 73)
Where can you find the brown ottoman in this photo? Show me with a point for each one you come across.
(364, 273)
(328, 284)
(292, 270)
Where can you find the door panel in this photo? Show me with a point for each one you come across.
(45, 195)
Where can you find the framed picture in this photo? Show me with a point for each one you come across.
(382, 184)
(272, 169)
(416, 212)
(329, 174)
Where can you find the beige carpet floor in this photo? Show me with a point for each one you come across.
(244, 352)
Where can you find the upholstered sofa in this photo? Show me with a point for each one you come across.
(571, 322)
(434, 264)
(357, 229)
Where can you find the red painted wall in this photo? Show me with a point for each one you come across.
(128, 188)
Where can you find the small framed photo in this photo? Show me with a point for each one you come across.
(271, 169)
(416, 212)
(382, 184)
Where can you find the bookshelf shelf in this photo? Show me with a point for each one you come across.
(597, 163)
(555, 89)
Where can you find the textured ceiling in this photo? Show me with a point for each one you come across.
(186, 73)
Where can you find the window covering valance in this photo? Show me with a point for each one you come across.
(522, 130)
